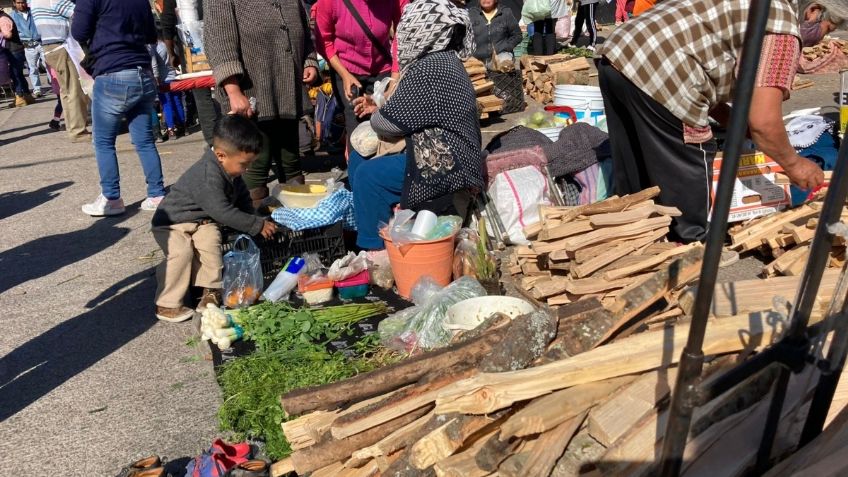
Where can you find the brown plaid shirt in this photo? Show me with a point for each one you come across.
(683, 53)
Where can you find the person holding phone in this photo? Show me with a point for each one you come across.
(355, 38)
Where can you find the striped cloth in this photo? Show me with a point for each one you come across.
(266, 45)
(52, 18)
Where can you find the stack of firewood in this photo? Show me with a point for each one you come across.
(529, 397)
(486, 101)
(543, 73)
(602, 250)
(824, 48)
(785, 237)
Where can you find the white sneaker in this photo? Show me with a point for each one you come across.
(151, 203)
(103, 206)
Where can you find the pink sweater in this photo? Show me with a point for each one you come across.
(338, 33)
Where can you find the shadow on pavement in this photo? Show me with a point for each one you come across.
(34, 369)
(17, 201)
(45, 255)
(40, 132)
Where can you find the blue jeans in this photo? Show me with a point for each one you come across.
(377, 184)
(126, 94)
(17, 62)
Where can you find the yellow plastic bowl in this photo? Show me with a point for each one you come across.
(301, 196)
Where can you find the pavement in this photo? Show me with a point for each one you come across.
(89, 379)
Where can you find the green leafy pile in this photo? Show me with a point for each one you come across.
(290, 354)
(252, 386)
(577, 51)
(279, 326)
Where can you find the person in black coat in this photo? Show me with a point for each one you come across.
(494, 29)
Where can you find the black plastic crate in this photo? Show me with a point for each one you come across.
(328, 242)
(510, 88)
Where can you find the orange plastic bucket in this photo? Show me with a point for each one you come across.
(412, 261)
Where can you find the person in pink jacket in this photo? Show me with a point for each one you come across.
(354, 36)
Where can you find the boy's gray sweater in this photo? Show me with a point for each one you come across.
(206, 192)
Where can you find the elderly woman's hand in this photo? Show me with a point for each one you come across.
(310, 74)
(364, 106)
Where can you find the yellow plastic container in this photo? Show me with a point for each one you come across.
(301, 196)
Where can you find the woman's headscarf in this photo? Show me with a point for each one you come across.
(429, 26)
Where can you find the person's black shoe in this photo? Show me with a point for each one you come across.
(54, 124)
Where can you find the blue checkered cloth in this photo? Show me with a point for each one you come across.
(335, 207)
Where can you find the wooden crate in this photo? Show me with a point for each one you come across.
(195, 62)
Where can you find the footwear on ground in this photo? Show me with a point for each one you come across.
(102, 207)
(174, 315)
(151, 203)
(210, 296)
(147, 467)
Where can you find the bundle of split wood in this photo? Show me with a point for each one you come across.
(486, 101)
(543, 73)
(510, 399)
(603, 250)
(824, 48)
(785, 238)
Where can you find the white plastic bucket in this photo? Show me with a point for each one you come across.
(552, 133)
(587, 102)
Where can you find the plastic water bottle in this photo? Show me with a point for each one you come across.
(286, 280)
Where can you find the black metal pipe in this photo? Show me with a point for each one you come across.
(808, 289)
(692, 358)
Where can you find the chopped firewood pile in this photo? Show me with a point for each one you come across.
(785, 238)
(606, 250)
(824, 48)
(487, 102)
(543, 73)
(518, 398)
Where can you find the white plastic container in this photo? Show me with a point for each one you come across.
(551, 133)
(424, 223)
(469, 314)
(587, 101)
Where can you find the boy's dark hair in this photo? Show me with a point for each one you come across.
(237, 132)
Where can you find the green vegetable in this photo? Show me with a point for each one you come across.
(279, 326)
(252, 386)
(578, 51)
(538, 118)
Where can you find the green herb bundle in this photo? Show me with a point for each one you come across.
(279, 326)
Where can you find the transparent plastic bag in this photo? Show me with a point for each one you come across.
(242, 274)
(421, 327)
(348, 266)
(380, 270)
(380, 87)
(465, 255)
(401, 225)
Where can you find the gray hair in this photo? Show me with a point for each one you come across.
(830, 16)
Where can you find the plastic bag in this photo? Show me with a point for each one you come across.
(400, 227)
(285, 281)
(242, 273)
(517, 195)
(381, 271)
(380, 87)
(421, 326)
(348, 266)
(535, 10)
(465, 255)
(364, 140)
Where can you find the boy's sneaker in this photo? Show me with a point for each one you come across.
(151, 203)
(174, 315)
(54, 124)
(210, 296)
(102, 207)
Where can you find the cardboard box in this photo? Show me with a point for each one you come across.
(756, 191)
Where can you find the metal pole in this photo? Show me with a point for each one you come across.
(692, 359)
(806, 298)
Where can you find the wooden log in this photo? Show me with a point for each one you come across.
(554, 285)
(493, 452)
(306, 430)
(332, 470)
(326, 453)
(613, 204)
(754, 240)
(532, 230)
(567, 229)
(649, 262)
(463, 464)
(577, 64)
(623, 248)
(405, 401)
(475, 70)
(489, 392)
(513, 465)
(585, 254)
(609, 421)
(380, 381)
(483, 87)
(831, 442)
(746, 296)
(447, 439)
(586, 286)
(547, 412)
(403, 437)
(282, 467)
(790, 262)
(633, 215)
(607, 234)
(551, 445)
(582, 324)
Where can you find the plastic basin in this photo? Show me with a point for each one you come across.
(301, 196)
(470, 313)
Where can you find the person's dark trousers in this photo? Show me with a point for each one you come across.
(351, 121)
(17, 62)
(585, 13)
(543, 41)
(207, 112)
(279, 151)
(648, 149)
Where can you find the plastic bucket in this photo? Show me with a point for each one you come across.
(587, 101)
(412, 261)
